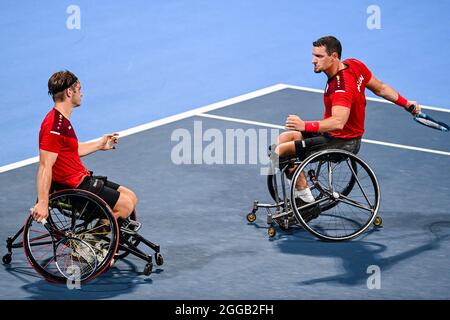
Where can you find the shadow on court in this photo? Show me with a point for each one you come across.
(356, 255)
(116, 281)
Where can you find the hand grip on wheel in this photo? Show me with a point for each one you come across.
(43, 221)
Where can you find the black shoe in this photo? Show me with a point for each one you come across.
(309, 213)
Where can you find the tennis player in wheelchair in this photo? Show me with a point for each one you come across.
(343, 124)
(60, 165)
(89, 221)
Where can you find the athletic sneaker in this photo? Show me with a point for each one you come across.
(99, 245)
(101, 250)
(309, 213)
(83, 253)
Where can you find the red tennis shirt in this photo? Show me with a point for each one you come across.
(57, 135)
(346, 89)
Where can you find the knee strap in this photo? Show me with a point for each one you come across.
(285, 161)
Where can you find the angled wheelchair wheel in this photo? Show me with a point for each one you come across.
(346, 192)
(78, 241)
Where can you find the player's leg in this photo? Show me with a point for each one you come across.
(285, 146)
(130, 194)
(289, 136)
(124, 207)
(121, 199)
(302, 148)
(121, 203)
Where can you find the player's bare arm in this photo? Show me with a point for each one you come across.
(385, 91)
(337, 121)
(107, 142)
(44, 180)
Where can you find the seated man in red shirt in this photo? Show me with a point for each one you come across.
(60, 152)
(343, 124)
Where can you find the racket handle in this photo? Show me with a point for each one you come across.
(411, 108)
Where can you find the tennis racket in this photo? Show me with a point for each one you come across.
(428, 121)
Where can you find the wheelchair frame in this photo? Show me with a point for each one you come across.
(125, 240)
(287, 213)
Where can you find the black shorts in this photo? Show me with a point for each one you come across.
(108, 191)
(101, 186)
(314, 142)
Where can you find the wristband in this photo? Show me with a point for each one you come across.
(311, 126)
(401, 101)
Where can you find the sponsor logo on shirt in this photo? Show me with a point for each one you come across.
(359, 82)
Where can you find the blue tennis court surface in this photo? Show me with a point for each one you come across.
(197, 213)
(146, 65)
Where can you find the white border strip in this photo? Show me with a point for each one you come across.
(261, 124)
(288, 86)
(174, 118)
(268, 125)
(19, 164)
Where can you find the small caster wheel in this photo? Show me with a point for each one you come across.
(7, 258)
(378, 222)
(271, 232)
(148, 269)
(251, 217)
(159, 259)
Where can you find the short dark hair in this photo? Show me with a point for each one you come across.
(331, 44)
(60, 81)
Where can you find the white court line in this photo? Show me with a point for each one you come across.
(269, 125)
(174, 118)
(199, 111)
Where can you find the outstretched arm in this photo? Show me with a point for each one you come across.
(107, 142)
(385, 91)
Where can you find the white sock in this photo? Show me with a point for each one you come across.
(305, 195)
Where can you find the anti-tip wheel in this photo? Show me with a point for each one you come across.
(271, 232)
(251, 217)
(7, 258)
(148, 269)
(159, 259)
(378, 222)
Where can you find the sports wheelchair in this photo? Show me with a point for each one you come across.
(80, 239)
(345, 189)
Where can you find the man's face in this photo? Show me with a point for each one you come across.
(321, 60)
(76, 95)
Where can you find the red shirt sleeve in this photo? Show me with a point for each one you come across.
(50, 140)
(366, 73)
(344, 99)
